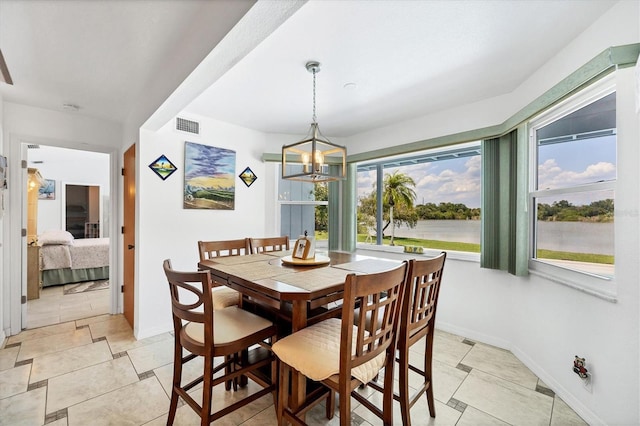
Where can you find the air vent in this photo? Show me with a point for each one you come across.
(187, 126)
(32, 146)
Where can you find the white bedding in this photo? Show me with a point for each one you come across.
(83, 253)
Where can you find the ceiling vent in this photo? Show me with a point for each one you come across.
(33, 146)
(187, 126)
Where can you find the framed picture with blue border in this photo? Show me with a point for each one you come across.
(163, 167)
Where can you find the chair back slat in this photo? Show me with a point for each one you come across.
(421, 295)
(261, 245)
(213, 249)
(377, 297)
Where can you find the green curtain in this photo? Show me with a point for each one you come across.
(503, 237)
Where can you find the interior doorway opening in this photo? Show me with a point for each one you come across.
(75, 205)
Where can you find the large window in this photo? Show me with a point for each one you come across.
(429, 199)
(573, 150)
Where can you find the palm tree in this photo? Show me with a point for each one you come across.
(397, 190)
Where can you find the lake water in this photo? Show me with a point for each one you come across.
(578, 237)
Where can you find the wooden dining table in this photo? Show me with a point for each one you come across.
(300, 294)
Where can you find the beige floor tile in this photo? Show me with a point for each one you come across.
(61, 422)
(134, 404)
(8, 357)
(115, 324)
(265, 417)
(94, 319)
(563, 415)
(445, 415)
(447, 348)
(501, 363)
(54, 343)
(505, 400)
(149, 357)
(24, 409)
(82, 385)
(39, 333)
(42, 320)
(190, 371)
(14, 381)
(474, 417)
(56, 364)
(72, 314)
(124, 341)
(446, 379)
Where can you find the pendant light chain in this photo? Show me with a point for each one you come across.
(314, 95)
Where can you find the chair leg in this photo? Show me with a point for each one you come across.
(345, 406)
(177, 379)
(403, 391)
(207, 392)
(387, 396)
(428, 354)
(227, 370)
(330, 406)
(283, 391)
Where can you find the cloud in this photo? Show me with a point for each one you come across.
(551, 175)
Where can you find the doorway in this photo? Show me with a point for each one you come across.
(79, 205)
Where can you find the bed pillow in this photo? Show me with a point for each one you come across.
(55, 237)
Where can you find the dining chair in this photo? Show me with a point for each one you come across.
(341, 355)
(223, 296)
(261, 245)
(201, 331)
(417, 321)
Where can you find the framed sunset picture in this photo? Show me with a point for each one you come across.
(209, 177)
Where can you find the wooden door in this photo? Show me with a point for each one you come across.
(129, 224)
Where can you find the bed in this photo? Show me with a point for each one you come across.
(65, 260)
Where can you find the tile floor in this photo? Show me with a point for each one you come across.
(93, 371)
(54, 307)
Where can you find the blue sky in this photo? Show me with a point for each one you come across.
(458, 180)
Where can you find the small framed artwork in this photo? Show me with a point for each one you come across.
(163, 167)
(248, 177)
(47, 190)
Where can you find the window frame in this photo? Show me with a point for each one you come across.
(602, 286)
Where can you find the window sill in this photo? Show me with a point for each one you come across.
(583, 282)
(399, 251)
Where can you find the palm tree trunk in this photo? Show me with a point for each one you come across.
(393, 226)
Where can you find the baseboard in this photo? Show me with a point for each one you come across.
(153, 331)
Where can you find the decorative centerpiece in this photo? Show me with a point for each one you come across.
(304, 253)
(305, 247)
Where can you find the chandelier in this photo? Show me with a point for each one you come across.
(314, 159)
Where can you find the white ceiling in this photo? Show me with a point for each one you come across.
(406, 58)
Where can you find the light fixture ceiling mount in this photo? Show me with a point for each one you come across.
(314, 159)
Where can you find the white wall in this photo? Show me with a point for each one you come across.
(166, 230)
(545, 323)
(69, 166)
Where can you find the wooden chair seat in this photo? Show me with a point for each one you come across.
(315, 352)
